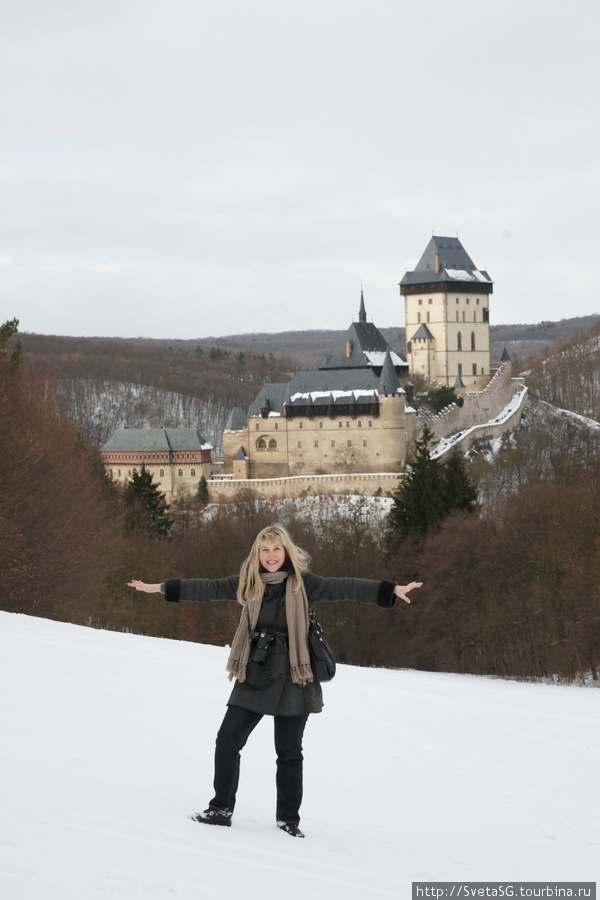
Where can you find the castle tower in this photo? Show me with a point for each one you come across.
(447, 316)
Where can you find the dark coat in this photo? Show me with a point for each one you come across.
(268, 688)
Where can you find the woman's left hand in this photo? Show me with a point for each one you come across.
(401, 590)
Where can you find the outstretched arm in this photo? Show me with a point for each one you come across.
(401, 590)
(142, 586)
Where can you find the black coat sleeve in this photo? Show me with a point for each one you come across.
(380, 593)
(202, 590)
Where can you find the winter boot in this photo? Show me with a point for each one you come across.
(290, 828)
(213, 816)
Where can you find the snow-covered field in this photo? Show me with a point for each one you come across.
(107, 743)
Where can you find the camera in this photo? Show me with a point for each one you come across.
(261, 641)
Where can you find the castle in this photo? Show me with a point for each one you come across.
(447, 317)
(347, 425)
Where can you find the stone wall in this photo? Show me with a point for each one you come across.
(479, 406)
(380, 484)
(508, 420)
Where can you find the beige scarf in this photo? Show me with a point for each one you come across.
(296, 611)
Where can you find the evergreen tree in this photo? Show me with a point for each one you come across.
(428, 493)
(6, 332)
(419, 502)
(459, 491)
(443, 397)
(202, 491)
(145, 506)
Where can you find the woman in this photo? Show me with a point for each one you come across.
(270, 660)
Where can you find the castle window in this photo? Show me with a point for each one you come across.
(474, 369)
(316, 443)
(460, 368)
(340, 424)
(180, 473)
(457, 300)
(272, 444)
(261, 444)
(257, 426)
(193, 473)
(428, 317)
(430, 301)
(300, 424)
(359, 423)
(118, 473)
(320, 424)
(418, 317)
(459, 341)
(347, 424)
(333, 443)
(162, 473)
(473, 344)
(420, 303)
(276, 426)
(370, 424)
(477, 301)
(364, 443)
(475, 315)
(463, 315)
(349, 443)
(299, 445)
(457, 315)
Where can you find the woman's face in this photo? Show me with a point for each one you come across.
(271, 555)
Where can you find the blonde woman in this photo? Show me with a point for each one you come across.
(270, 660)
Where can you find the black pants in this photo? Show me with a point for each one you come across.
(236, 728)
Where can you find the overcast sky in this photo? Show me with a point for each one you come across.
(191, 168)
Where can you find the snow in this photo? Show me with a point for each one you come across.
(503, 416)
(463, 275)
(337, 395)
(377, 357)
(107, 744)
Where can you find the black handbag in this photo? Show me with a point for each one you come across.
(322, 660)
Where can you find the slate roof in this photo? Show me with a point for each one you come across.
(368, 347)
(422, 334)
(455, 265)
(237, 419)
(130, 440)
(327, 388)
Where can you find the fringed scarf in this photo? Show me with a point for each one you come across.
(296, 611)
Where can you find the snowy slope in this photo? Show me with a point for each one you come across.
(107, 743)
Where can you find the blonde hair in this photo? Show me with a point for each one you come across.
(251, 586)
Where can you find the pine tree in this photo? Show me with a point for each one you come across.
(419, 502)
(146, 509)
(7, 330)
(459, 491)
(428, 493)
(202, 491)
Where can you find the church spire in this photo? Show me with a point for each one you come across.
(362, 314)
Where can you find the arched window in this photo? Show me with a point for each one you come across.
(193, 473)
(472, 340)
(272, 444)
(459, 341)
(261, 444)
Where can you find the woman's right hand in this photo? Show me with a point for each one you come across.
(142, 586)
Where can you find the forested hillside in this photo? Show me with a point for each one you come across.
(511, 589)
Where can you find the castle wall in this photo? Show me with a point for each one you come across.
(479, 407)
(508, 420)
(379, 484)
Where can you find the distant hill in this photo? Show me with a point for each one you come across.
(310, 346)
(263, 355)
